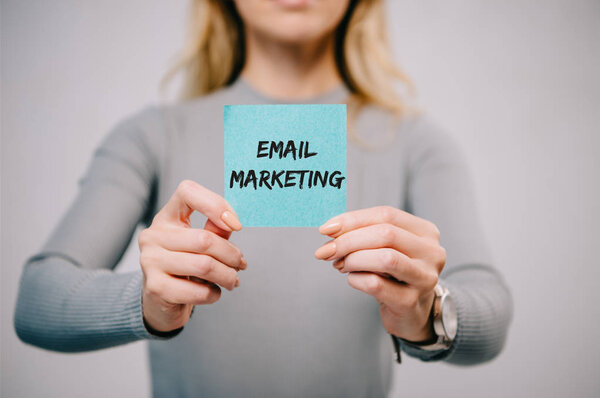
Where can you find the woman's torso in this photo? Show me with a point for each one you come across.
(294, 327)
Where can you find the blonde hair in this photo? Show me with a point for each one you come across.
(214, 53)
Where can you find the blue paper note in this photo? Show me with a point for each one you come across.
(285, 165)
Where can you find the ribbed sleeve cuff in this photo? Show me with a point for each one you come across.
(133, 294)
(484, 315)
(424, 355)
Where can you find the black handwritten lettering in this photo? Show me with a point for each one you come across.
(275, 178)
(250, 179)
(301, 179)
(262, 146)
(235, 177)
(283, 150)
(276, 147)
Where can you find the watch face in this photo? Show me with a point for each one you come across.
(449, 317)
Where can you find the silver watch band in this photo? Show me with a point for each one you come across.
(444, 318)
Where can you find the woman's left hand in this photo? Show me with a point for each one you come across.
(395, 257)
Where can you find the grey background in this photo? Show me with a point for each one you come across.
(515, 81)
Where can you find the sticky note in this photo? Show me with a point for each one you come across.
(285, 165)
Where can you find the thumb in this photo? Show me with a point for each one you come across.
(212, 227)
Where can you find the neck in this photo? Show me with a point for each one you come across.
(290, 71)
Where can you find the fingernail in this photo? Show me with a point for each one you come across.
(325, 251)
(244, 263)
(237, 281)
(331, 228)
(231, 220)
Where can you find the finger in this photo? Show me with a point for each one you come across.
(394, 295)
(182, 291)
(200, 266)
(200, 241)
(212, 227)
(388, 262)
(190, 196)
(352, 220)
(374, 237)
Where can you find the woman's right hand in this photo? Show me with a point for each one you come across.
(183, 266)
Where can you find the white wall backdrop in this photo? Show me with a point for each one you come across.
(516, 81)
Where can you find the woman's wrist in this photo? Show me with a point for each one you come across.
(158, 333)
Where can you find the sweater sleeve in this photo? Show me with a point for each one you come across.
(440, 190)
(69, 297)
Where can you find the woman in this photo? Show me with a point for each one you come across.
(288, 325)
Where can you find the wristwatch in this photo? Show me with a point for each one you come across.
(445, 320)
(445, 325)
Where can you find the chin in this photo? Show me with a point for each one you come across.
(298, 29)
(293, 21)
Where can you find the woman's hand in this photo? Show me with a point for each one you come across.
(184, 266)
(393, 256)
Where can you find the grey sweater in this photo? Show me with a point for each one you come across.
(294, 327)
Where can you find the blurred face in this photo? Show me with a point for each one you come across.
(292, 21)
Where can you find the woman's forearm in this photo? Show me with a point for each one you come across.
(484, 306)
(62, 307)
